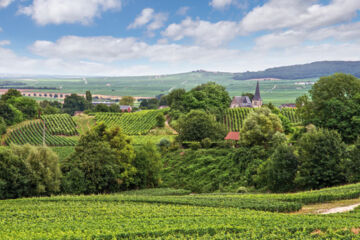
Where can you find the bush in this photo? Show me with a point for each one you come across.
(2, 126)
(352, 163)
(242, 190)
(160, 120)
(28, 171)
(206, 143)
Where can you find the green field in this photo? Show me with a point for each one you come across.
(149, 215)
(277, 92)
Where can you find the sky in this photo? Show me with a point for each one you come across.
(152, 37)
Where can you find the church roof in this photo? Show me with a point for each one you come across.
(257, 96)
(242, 101)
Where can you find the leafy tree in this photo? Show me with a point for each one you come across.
(2, 126)
(101, 108)
(278, 173)
(175, 99)
(260, 127)
(42, 163)
(335, 105)
(88, 96)
(10, 113)
(11, 93)
(149, 103)
(321, 153)
(29, 107)
(352, 163)
(114, 108)
(197, 125)
(209, 97)
(102, 162)
(148, 164)
(127, 100)
(74, 103)
(160, 120)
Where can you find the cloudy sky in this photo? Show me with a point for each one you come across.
(141, 37)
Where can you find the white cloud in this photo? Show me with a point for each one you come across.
(5, 42)
(5, 3)
(68, 11)
(221, 4)
(148, 17)
(303, 14)
(144, 18)
(204, 32)
(182, 11)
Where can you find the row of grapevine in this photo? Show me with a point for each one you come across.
(60, 124)
(138, 123)
(291, 114)
(32, 133)
(234, 118)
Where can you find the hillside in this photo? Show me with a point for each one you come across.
(310, 70)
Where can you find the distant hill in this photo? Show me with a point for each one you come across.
(310, 70)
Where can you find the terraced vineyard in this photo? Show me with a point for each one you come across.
(291, 114)
(59, 128)
(234, 118)
(139, 123)
(153, 214)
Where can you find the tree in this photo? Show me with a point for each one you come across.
(127, 100)
(175, 99)
(2, 126)
(114, 108)
(29, 107)
(88, 97)
(10, 114)
(101, 163)
(160, 120)
(197, 125)
(101, 108)
(28, 171)
(11, 93)
(148, 164)
(335, 105)
(209, 97)
(352, 163)
(278, 173)
(149, 103)
(260, 127)
(74, 103)
(321, 153)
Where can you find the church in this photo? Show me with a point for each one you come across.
(244, 101)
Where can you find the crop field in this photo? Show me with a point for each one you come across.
(291, 114)
(275, 91)
(163, 214)
(235, 117)
(58, 131)
(138, 123)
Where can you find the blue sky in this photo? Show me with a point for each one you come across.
(142, 37)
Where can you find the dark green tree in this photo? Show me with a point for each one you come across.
(101, 108)
(29, 107)
(352, 163)
(160, 120)
(88, 96)
(10, 114)
(2, 126)
(11, 93)
(127, 100)
(321, 153)
(197, 125)
(74, 103)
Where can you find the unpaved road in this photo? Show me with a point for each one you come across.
(341, 209)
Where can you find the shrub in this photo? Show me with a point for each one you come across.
(160, 120)
(206, 143)
(195, 145)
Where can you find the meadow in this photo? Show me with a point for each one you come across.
(174, 214)
(275, 91)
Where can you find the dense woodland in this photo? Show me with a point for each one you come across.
(312, 147)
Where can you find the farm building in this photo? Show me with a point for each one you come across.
(235, 136)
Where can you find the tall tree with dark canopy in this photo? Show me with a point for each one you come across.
(74, 103)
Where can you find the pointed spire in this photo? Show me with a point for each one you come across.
(257, 96)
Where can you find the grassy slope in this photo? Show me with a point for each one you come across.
(121, 217)
(282, 91)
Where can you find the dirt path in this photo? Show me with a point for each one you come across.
(169, 127)
(330, 207)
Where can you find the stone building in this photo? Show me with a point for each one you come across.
(244, 101)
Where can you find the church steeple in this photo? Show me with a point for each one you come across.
(257, 101)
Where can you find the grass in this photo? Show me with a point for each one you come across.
(142, 139)
(277, 92)
(84, 123)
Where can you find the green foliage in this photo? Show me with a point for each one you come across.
(321, 153)
(127, 100)
(260, 127)
(157, 192)
(102, 162)
(197, 125)
(160, 120)
(74, 103)
(101, 107)
(352, 163)
(2, 126)
(29, 107)
(138, 123)
(291, 114)
(278, 173)
(149, 103)
(335, 105)
(206, 143)
(148, 165)
(11, 93)
(10, 114)
(88, 96)
(60, 124)
(28, 171)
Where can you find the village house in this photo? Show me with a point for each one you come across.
(244, 101)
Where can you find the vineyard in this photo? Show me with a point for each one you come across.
(173, 214)
(235, 117)
(139, 123)
(291, 114)
(58, 126)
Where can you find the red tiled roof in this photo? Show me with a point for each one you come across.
(233, 136)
